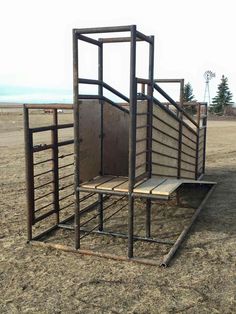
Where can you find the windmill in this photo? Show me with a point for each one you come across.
(208, 75)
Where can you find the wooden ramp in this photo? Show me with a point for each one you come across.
(155, 187)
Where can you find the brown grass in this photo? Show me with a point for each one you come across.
(202, 276)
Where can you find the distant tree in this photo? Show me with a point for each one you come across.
(223, 98)
(188, 93)
(189, 97)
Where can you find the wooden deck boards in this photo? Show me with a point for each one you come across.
(155, 186)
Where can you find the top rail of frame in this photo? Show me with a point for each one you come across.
(48, 106)
(96, 30)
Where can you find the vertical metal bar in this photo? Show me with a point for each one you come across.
(132, 137)
(149, 131)
(100, 93)
(197, 143)
(150, 107)
(55, 166)
(205, 130)
(76, 139)
(29, 172)
(148, 217)
(180, 115)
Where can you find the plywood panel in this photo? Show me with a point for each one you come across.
(89, 133)
(116, 141)
(159, 112)
(157, 158)
(163, 171)
(158, 147)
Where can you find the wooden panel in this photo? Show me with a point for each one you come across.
(109, 185)
(163, 171)
(116, 141)
(141, 120)
(189, 134)
(167, 187)
(187, 166)
(165, 139)
(189, 151)
(187, 174)
(157, 158)
(159, 112)
(90, 146)
(96, 181)
(188, 158)
(188, 142)
(147, 186)
(157, 147)
(124, 187)
(139, 171)
(140, 159)
(165, 128)
(141, 133)
(142, 106)
(141, 146)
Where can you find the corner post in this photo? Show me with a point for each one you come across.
(76, 138)
(100, 92)
(29, 173)
(55, 165)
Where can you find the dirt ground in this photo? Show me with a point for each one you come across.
(202, 276)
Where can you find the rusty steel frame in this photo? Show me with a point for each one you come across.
(77, 227)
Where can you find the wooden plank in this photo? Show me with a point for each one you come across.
(165, 116)
(187, 166)
(140, 159)
(160, 148)
(167, 187)
(141, 146)
(109, 185)
(123, 187)
(189, 142)
(163, 138)
(165, 128)
(187, 174)
(96, 181)
(189, 134)
(149, 185)
(164, 171)
(140, 171)
(141, 133)
(188, 158)
(189, 151)
(160, 159)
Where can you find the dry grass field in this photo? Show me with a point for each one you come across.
(202, 276)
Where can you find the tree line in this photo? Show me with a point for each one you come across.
(220, 103)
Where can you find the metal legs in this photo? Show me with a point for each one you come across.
(148, 217)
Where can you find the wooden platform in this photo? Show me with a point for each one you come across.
(156, 187)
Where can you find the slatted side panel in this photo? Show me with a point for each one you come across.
(141, 138)
(165, 143)
(188, 154)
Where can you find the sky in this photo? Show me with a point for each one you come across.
(191, 37)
